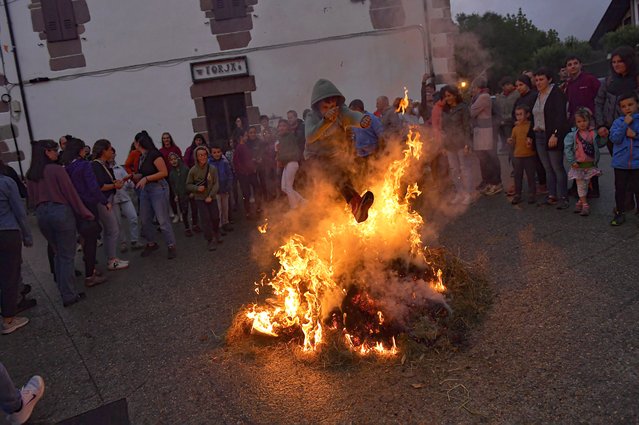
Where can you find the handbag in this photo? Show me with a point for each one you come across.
(587, 146)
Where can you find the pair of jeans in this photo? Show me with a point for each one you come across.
(10, 259)
(460, 163)
(553, 162)
(127, 209)
(210, 219)
(57, 224)
(529, 165)
(489, 166)
(626, 184)
(154, 202)
(10, 397)
(288, 179)
(90, 232)
(111, 230)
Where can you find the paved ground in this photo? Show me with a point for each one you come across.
(560, 344)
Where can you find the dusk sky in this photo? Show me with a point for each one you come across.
(562, 16)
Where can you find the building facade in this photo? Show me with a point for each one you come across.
(108, 69)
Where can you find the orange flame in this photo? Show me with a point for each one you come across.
(403, 103)
(262, 229)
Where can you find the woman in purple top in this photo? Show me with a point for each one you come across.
(56, 200)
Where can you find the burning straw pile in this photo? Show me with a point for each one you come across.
(364, 289)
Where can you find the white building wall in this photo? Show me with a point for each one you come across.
(157, 98)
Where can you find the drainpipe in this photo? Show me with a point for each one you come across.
(19, 75)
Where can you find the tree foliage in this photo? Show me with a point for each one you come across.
(513, 44)
(625, 36)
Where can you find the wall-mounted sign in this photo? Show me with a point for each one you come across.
(222, 68)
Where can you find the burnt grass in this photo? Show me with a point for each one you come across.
(431, 328)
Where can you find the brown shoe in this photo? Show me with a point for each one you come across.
(94, 280)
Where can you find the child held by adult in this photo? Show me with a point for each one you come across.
(581, 147)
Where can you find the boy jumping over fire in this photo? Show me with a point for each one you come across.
(329, 149)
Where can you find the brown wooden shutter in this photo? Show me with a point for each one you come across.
(51, 21)
(229, 9)
(59, 20)
(66, 16)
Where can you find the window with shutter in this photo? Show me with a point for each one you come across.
(59, 18)
(229, 9)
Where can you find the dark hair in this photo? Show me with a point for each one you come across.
(145, 141)
(216, 146)
(545, 72)
(290, 111)
(39, 158)
(72, 150)
(196, 137)
(627, 55)
(452, 90)
(170, 138)
(132, 148)
(306, 112)
(505, 80)
(523, 107)
(263, 117)
(283, 121)
(356, 104)
(238, 135)
(585, 113)
(525, 79)
(99, 147)
(572, 57)
(628, 95)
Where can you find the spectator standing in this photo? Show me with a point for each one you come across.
(123, 206)
(154, 193)
(391, 124)
(246, 174)
(483, 142)
(177, 180)
(203, 183)
(297, 128)
(524, 160)
(189, 161)
(288, 154)
(366, 139)
(55, 200)
(505, 104)
(14, 232)
(169, 146)
(551, 127)
(226, 179)
(103, 154)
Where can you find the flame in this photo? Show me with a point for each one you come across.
(262, 229)
(403, 103)
(309, 270)
(439, 285)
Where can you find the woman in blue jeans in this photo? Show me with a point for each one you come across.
(551, 127)
(55, 200)
(154, 195)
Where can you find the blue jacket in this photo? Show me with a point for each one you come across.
(570, 146)
(367, 139)
(12, 213)
(625, 152)
(224, 174)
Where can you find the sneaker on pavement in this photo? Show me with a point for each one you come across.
(14, 325)
(360, 206)
(578, 207)
(176, 219)
(94, 280)
(172, 252)
(117, 264)
(31, 393)
(135, 245)
(493, 189)
(563, 204)
(148, 249)
(516, 199)
(619, 219)
(585, 210)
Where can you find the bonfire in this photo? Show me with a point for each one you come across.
(360, 284)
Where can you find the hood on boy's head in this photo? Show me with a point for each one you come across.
(324, 89)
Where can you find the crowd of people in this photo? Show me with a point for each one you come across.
(82, 197)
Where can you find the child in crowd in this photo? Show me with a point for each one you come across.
(524, 158)
(288, 156)
(624, 135)
(178, 173)
(327, 143)
(203, 183)
(123, 206)
(225, 176)
(581, 147)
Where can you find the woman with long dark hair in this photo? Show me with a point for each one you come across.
(83, 179)
(154, 195)
(169, 147)
(56, 200)
(103, 154)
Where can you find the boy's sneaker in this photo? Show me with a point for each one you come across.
(578, 207)
(585, 210)
(360, 206)
(31, 393)
(619, 219)
(135, 245)
(172, 252)
(516, 199)
(176, 219)
(148, 249)
(117, 264)
(494, 189)
(563, 204)
(14, 325)
(94, 280)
